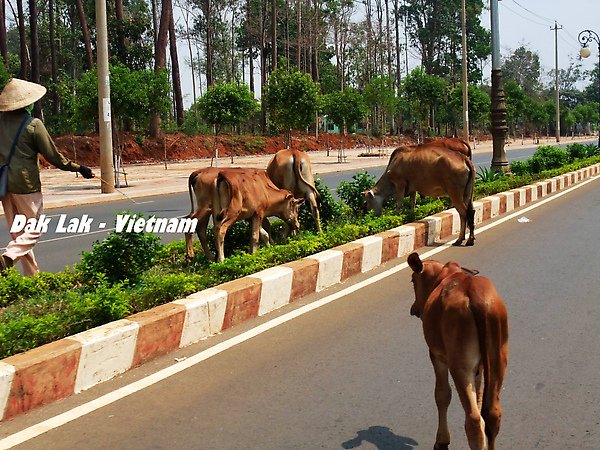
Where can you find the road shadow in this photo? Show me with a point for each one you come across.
(382, 438)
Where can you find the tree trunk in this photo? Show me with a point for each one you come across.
(23, 50)
(209, 44)
(3, 38)
(35, 51)
(273, 35)
(53, 63)
(175, 72)
(263, 62)
(160, 60)
(87, 40)
(250, 46)
(120, 15)
(299, 34)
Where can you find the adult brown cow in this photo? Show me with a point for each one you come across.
(201, 188)
(465, 324)
(457, 144)
(291, 170)
(431, 170)
(252, 196)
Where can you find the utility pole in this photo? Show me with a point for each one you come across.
(107, 173)
(465, 79)
(499, 127)
(557, 93)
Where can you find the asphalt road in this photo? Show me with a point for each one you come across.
(55, 250)
(355, 373)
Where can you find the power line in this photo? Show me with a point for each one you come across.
(523, 17)
(531, 12)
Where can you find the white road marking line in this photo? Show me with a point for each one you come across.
(93, 405)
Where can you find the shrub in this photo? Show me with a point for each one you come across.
(351, 191)
(519, 168)
(121, 256)
(331, 210)
(547, 157)
(487, 174)
(576, 151)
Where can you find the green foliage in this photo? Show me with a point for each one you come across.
(547, 157)
(487, 174)
(226, 104)
(421, 92)
(135, 96)
(581, 151)
(4, 76)
(345, 109)
(121, 255)
(291, 98)
(479, 105)
(351, 191)
(379, 93)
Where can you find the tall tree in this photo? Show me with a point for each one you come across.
(53, 62)
(35, 50)
(23, 50)
(3, 37)
(177, 94)
(87, 40)
(160, 61)
(523, 67)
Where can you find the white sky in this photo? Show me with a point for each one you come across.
(532, 28)
(522, 22)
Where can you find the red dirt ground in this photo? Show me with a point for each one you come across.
(84, 149)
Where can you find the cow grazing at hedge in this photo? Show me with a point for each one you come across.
(431, 170)
(249, 196)
(457, 144)
(291, 170)
(465, 324)
(201, 188)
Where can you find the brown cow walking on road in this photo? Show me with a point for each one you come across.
(240, 196)
(431, 170)
(465, 324)
(291, 169)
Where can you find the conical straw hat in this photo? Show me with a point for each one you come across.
(18, 94)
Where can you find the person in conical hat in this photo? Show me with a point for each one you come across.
(24, 191)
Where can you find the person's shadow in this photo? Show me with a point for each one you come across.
(382, 438)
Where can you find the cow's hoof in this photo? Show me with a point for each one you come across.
(470, 242)
(458, 243)
(441, 446)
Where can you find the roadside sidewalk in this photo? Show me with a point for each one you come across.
(69, 189)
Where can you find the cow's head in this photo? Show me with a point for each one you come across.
(291, 211)
(372, 201)
(425, 278)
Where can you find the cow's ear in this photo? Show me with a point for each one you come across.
(290, 197)
(368, 193)
(298, 201)
(470, 271)
(415, 263)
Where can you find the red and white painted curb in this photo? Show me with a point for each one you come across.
(71, 365)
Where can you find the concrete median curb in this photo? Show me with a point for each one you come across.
(63, 368)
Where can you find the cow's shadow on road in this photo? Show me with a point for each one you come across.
(382, 438)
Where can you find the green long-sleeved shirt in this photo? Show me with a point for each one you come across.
(24, 172)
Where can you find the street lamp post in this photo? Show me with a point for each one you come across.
(585, 37)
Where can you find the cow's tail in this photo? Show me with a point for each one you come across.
(298, 170)
(468, 197)
(191, 183)
(469, 151)
(492, 332)
(221, 183)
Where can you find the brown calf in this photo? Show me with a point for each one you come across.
(201, 188)
(431, 170)
(291, 170)
(253, 196)
(465, 324)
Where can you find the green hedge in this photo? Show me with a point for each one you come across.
(49, 306)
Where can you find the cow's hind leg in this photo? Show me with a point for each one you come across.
(464, 380)
(314, 209)
(443, 395)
